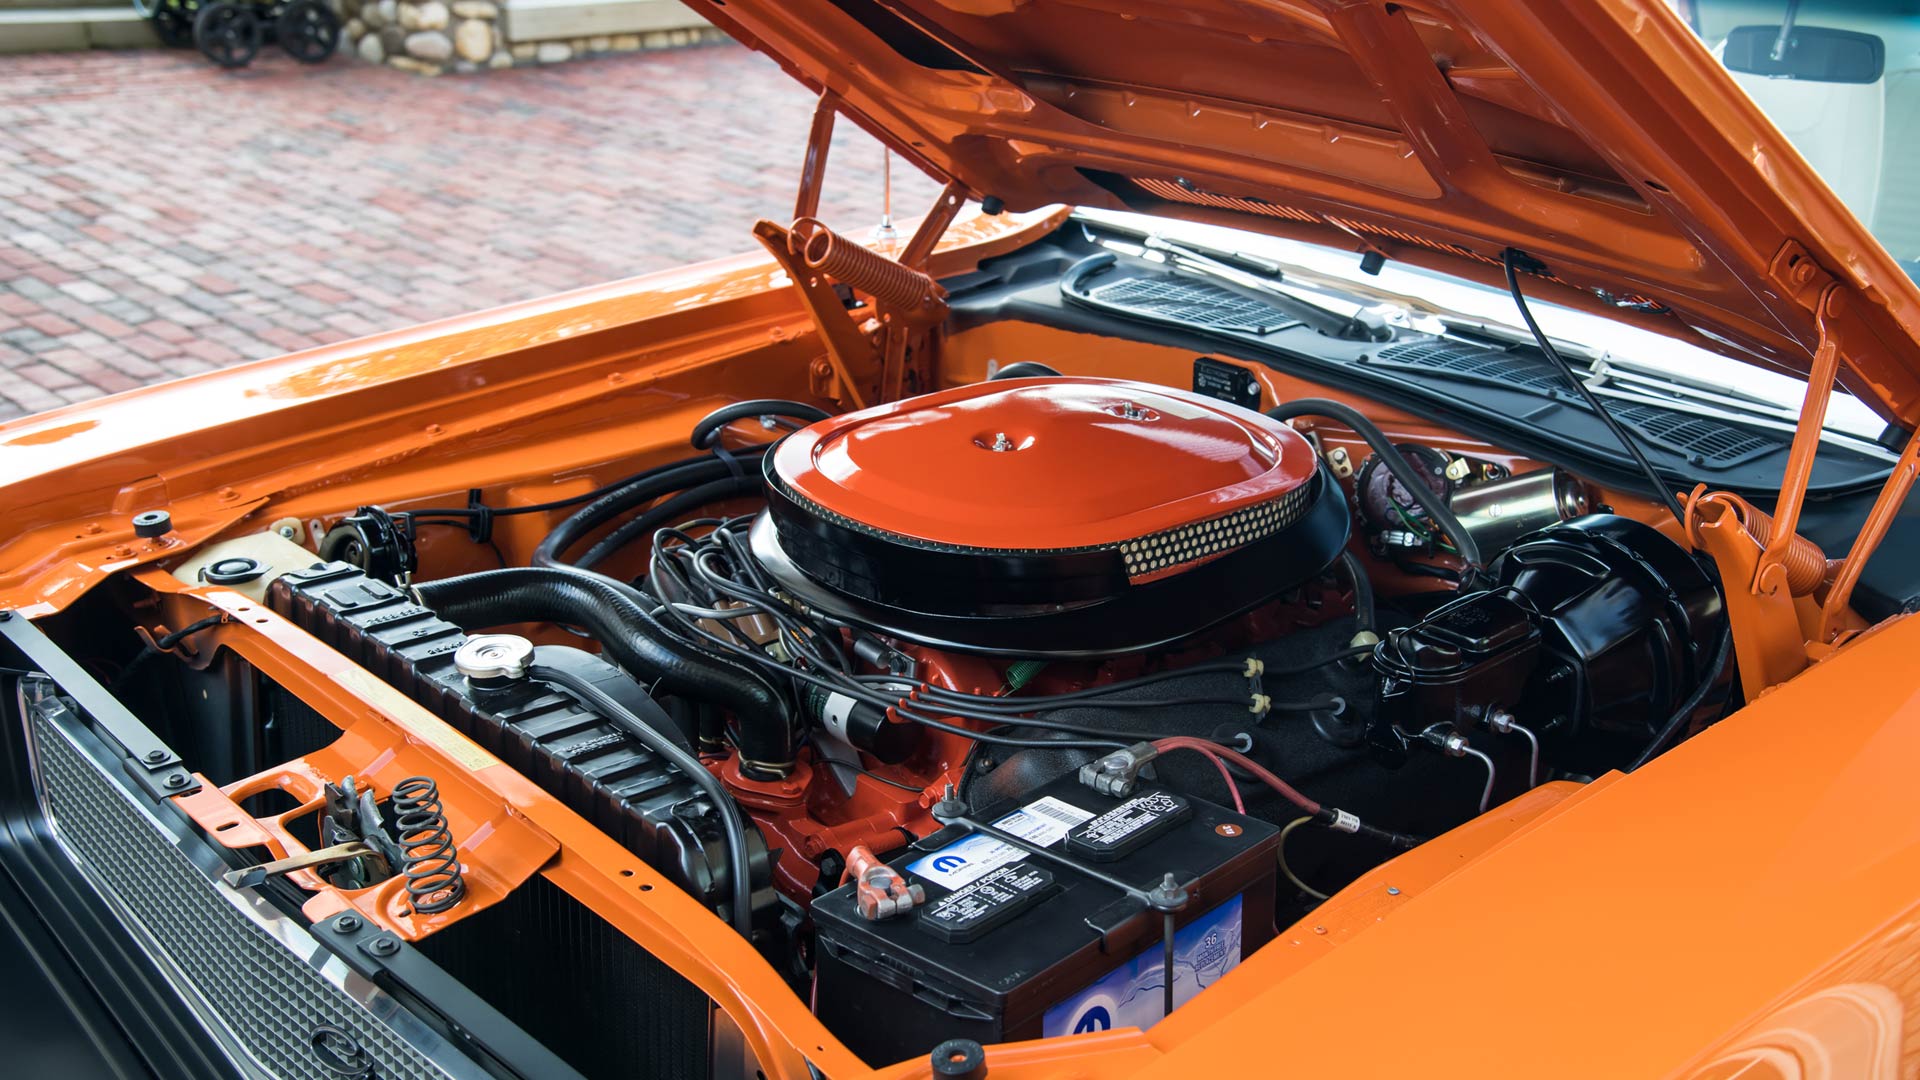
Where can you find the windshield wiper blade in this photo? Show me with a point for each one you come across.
(1363, 324)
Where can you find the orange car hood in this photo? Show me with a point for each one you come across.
(1597, 135)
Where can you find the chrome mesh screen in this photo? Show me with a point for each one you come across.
(271, 1000)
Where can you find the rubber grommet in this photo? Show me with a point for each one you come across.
(152, 523)
(960, 1059)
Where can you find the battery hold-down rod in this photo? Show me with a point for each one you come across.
(1169, 897)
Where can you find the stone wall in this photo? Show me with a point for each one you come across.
(430, 37)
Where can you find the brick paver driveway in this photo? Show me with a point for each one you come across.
(159, 217)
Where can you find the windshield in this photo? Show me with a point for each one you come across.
(1841, 80)
(1411, 296)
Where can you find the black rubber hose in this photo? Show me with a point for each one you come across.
(1396, 463)
(1363, 605)
(610, 614)
(740, 873)
(1024, 369)
(670, 512)
(641, 490)
(707, 431)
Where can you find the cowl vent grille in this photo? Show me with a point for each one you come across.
(1197, 303)
(1703, 439)
(1473, 361)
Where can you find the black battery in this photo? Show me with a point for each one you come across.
(1012, 945)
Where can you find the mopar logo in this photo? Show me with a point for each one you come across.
(1094, 1019)
(947, 864)
(340, 1053)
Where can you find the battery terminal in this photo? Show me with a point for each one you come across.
(1115, 774)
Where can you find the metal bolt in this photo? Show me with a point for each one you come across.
(286, 531)
(1393, 890)
(5, 615)
(347, 924)
(155, 757)
(384, 946)
(177, 780)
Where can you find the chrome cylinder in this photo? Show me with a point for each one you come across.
(1500, 512)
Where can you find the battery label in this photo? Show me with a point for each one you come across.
(1041, 822)
(999, 895)
(1131, 995)
(1120, 830)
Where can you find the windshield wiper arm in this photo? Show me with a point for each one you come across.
(1362, 325)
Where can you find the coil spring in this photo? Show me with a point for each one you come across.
(860, 267)
(428, 856)
(1805, 563)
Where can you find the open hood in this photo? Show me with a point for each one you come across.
(1598, 136)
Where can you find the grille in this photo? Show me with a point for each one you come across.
(1473, 362)
(1712, 442)
(1204, 539)
(1703, 440)
(1197, 303)
(267, 997)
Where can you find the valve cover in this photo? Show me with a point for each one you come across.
(1046, 517)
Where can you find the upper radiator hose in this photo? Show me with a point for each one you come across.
(633, 639)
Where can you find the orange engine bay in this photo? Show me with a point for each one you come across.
(1057, 644)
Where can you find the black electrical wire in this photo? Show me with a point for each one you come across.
(1364, 617)
(1510, 259)
(168, 641)
(847, 685)
(1684, 711)
(707, 431)
(1395, 462)
(1093, 694)
(465, 513)
(739, 864)
(163, 644)
(878, 779)
(643, 489)
(669, 511)
(710, 563)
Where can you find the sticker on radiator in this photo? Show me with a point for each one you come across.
(1043, 822)
(1131, 995)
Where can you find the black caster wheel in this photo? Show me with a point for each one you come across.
(227, 33)
(173, 22)
(308, 30)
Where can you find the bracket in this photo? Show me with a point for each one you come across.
(1770, 573)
